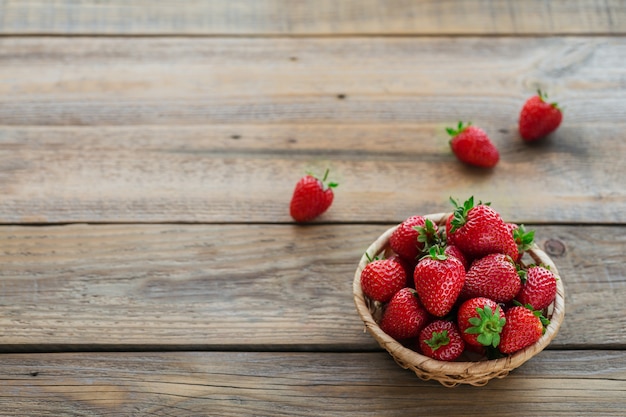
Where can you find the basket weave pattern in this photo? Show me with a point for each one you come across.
(450, 374)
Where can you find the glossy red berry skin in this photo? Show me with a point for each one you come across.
(404, 317)
(382, 278)
(538, 118)
(472, 146)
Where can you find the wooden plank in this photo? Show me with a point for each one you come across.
(555, 383)
(310, 102)
(242, 287)
(325, 17)
(191, 81)
(246, 173)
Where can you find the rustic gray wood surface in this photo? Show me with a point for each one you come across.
(148, 151)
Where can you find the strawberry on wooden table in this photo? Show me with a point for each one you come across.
(441, 340)
(438, 281)
(382, 278)
(404, 317)
(311, 198)
(539, 118)
(471, 145)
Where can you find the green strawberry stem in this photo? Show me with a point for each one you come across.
(437, 252)
(488, 326)
(438, 339)
(325, 185)
(460, 128)
(427, 235)
(544, 97)
(523, 238)
(460, 212)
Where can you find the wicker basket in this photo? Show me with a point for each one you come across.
(453, 373)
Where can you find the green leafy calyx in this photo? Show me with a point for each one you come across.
(523, 238)
(488, 326)
(459, 128)
(438, 339)
(437, 252)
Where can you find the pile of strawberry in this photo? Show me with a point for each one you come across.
(462, 288)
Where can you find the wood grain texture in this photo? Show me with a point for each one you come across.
(245, 287)
(191, 81)
(161, 129)
(555, 383)
(323, 17)
(246, 173)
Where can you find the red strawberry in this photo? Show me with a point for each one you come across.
(441, 340)
(479, 230)
(408, 267)
(539, 118)
(382, 278)
(404, 317)
(311, 198)
(438, 281)
(523, 239)
(523, 327)
(538, 288)
(452, 250)
(471, 145)
(411, 236)
(493, 276)
(480, 322)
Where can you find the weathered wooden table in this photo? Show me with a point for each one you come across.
(148, 151)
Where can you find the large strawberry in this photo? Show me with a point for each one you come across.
(539, 118)
(471, 145)
(538, 287)
(404, 317)
(480, 322)
(523, 327)
(311, 197)
(411, 236)
(441, 340)
(493, 276)
(382, 278)
(479, 230)
(438, 281)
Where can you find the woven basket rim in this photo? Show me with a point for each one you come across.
(454, 373)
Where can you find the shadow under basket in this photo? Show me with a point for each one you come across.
(451, 374)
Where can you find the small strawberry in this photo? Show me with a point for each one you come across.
(311, 197)
(382, 278)
(539, 118)
(438, 281)
(411, 236)
(479, 230)
(404, 317)
(480, 322)
(523, 327)
(493, 276)
(538, 288)
(471, 145)
(441, 340)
